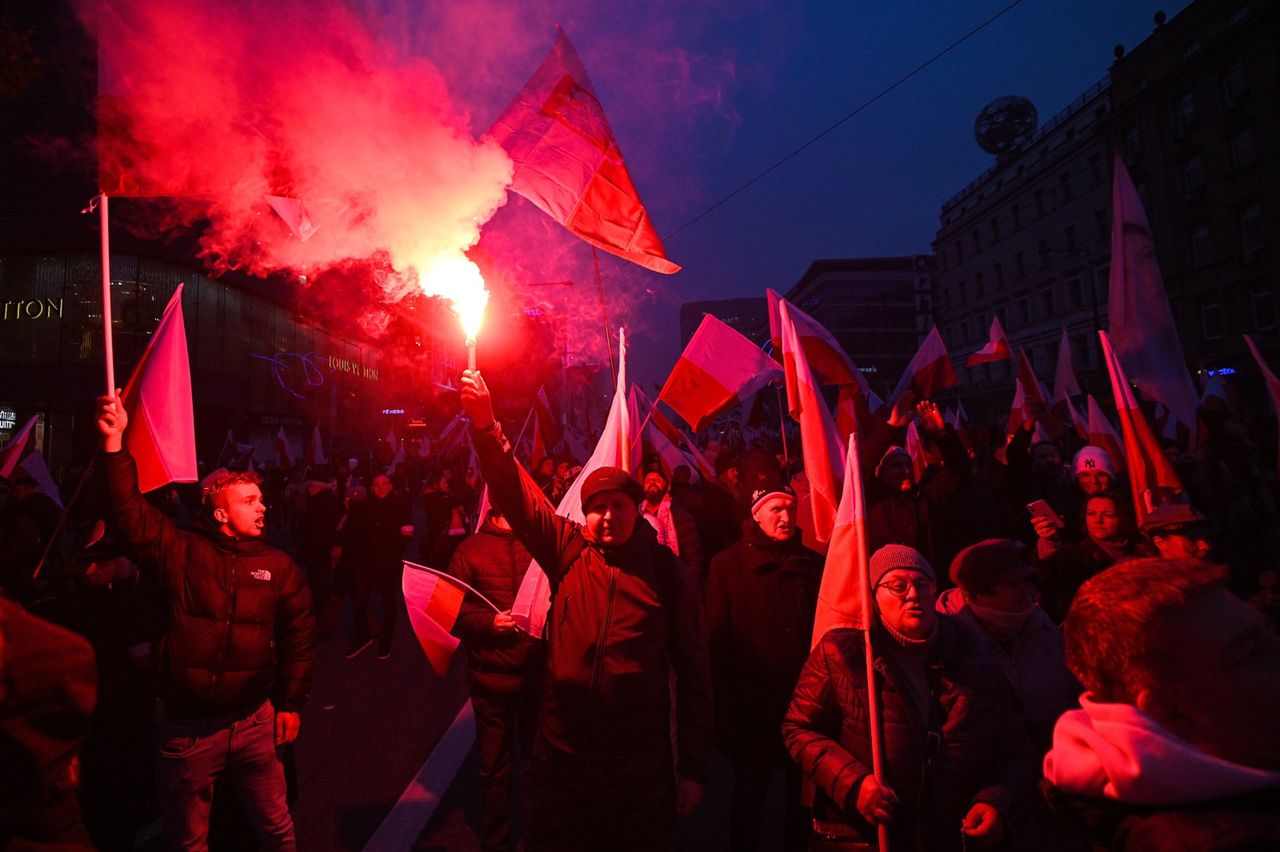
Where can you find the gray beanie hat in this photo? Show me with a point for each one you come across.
(895, 556)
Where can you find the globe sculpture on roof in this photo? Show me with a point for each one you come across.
(1005, 125)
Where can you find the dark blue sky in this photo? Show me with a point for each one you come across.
(703, 96)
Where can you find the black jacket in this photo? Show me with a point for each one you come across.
(373, 532)
(761, 597)
(973, 748)
(493, 562)
(239, 625)
(621, 619)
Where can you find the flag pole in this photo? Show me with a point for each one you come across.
(108, 348)
(604, 314)
(868, 619)
(782, 427)
(62, 521)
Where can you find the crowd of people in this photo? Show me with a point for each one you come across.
(1049, 675)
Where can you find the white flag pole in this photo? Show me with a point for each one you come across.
(108, 348)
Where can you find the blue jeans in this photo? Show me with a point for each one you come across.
(190, 754)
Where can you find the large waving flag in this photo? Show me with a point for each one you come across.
(1065, 384)
(1102, 434)
(1142, 328)
(1273, 384)
(717, 370)
(997, 348)
(1036, 399)
(162, 428)
(844, 595)
(619, 446)
(1151, 475)
(569, 165)
(820, 445)
(15, 448)
(929, 372)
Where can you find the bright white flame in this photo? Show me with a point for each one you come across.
(459, 281)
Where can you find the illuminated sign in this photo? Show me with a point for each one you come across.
(342, 365)
(8, 418)
(393, 411)
(32, 309)
(1224, 371)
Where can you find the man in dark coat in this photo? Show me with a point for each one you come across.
(504, 667)
(236, 656)
(625, 617)
(957, 759)
(1176, 744)
(761, 598)
(378, 530)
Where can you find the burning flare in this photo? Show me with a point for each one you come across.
(459, 280)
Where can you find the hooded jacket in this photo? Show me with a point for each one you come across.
(239, 628)
(1137, 786)
(622, 618)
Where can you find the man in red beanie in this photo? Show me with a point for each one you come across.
(624, 616)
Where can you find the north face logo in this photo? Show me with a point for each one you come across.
(260, 574)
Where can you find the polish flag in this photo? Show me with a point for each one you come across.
(162, 433)
(546, 420)
(1151, 475)
(1036, 399)
(15, 448)
(929, 372)
(1065, 385)
(1141, 322)
(1102, 434)
(1273, 384)
(1018, 410)
(844, 594)
(1078, 422)
(619, 446)
(717, 370)
(915, 449)
(433, 600)
(820, 445)
(283, 453)
(315, 450)
(569, 165)
(997, 348)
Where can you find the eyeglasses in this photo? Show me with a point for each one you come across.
(898, 588)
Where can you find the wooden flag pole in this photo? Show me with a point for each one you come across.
(108, 348)
(868, 619)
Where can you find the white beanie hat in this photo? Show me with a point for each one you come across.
(1093, 458)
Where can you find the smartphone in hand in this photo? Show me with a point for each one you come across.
(1041, 509)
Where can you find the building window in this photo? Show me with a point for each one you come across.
(1192, 48)
(1064, 183)
(1095, 168)
(995, 229)
(1075, 292)
(1024, 311)
(1233, 82)
(1081, 350)
(959, 252)
(999, 274)
(1201, 246)
(961, 298)
(1000, 315)
(1102, 223)
(964, 332)
(1192, 174)
(1184, 111)
(1264, 309)
(1038, 197)
(1016, 215)
(1069, 234)
(1046, 304)
(1211, 319)
(1018, 265)
(1251, 228)
(977, 241)
(1242, 148)
(1042, 247)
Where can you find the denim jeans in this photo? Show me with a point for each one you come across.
(191, 753)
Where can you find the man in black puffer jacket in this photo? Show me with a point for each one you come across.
(625, 616)
(504, 667)
(237, 652)
(761, 599)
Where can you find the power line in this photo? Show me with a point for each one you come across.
(885, 91)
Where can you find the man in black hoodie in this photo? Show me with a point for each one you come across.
(237, 652)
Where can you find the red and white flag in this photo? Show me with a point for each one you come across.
(315, 449)
(1151, 475)
(1141, 322)
(162, 428)
(433, 600)
(821, 447)
(1102, 434)
(547, 424)
(930, 371)
(1036, 397)
(1018, 410)
(15, 448)
(997, 348)
(717, 370)
(283, 451)
(619, 446)
(1077, 420)
(569, 165)
(844, 594)
(1065, 385)
(1273, 384)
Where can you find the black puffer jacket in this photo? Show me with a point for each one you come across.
(621, 619)
(974, 748)
(493, 562)
(239, 625)
(761, 597)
